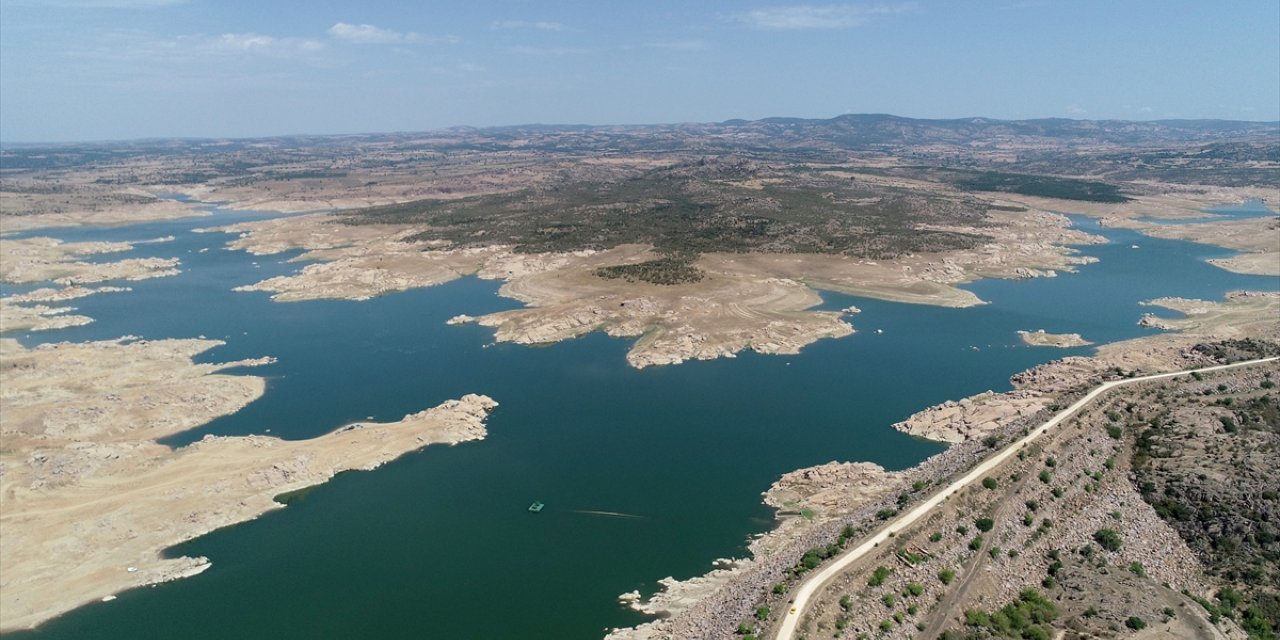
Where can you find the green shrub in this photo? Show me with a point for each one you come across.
(1108, 539)
(984, 524)
(947, 576)
(878, 576)
(1135, 623)
(990, 483)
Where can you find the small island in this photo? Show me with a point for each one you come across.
(1039, 338)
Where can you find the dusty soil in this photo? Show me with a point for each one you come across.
(1039, 338)
(751, 301)
(818, 503)
(26, 312)
(40, 259)
(88, 499)
(1166, 200)
(1258, 239)
(85, 207)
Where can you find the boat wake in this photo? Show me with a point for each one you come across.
(610, 514)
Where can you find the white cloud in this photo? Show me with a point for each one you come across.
(103, 4)
(367, 34)
(547, 52)
(1076, 110)
(255, 43)
(679, 45)
(540, 25)
(835, 16)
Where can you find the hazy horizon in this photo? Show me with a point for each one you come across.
(304, 134)
(99, 70)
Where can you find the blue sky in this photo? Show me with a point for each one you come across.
(117, 69)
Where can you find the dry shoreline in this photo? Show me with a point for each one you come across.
(828, 496)
(1257, 239)
(25, 216)
(43, 259)
(1039, 338)
(751, 301)
(90, 500)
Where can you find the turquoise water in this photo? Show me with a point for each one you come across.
(439, 544)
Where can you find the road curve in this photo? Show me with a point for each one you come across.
(815, 583)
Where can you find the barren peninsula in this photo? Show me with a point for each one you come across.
(90, 500)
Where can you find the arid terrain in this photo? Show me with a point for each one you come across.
(90, 499)
(697, 241)
(1035, 524)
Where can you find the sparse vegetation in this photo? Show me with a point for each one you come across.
(663, 271)
(1027, 617)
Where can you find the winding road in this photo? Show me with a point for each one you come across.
(815, 583)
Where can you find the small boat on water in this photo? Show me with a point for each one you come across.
(536, 507)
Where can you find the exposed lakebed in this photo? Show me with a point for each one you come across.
(439, 543)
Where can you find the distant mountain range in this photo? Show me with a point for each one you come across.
(849, 129)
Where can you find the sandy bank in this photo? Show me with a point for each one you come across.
(45, 215)
(1241, 314)
(1039, 338)
(761, 302)
(809, 501)
(90, 500)
(973, 417)
(23, 312)
(40, 317)
(1258, 239)
(837, 493)
(1164, 200)
(40, 259)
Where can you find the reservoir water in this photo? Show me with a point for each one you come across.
(438, 544)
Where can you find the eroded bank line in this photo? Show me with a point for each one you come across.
(818, 581)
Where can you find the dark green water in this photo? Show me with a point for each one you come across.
(438, 544)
